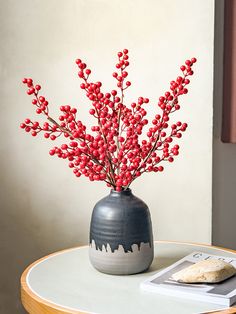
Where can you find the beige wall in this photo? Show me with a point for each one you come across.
(43, 206)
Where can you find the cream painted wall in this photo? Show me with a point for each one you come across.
(43, 206)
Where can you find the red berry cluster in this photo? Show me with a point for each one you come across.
(113, 152)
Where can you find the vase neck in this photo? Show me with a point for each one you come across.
(121, 193)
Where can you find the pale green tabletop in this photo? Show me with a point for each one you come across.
(65, 282)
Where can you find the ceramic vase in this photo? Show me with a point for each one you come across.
(121, 240)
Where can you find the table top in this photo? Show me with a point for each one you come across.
(65, 282)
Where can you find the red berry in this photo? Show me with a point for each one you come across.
(125, 51)
(29, 81)
(41, 99)
(188, 62)
(35, 124)
(52, 152)
(73, 144)
(92, 111)
(30, 91)
(64, 146)
(121, 139)
(67, 108)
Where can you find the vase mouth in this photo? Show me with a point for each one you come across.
(122, 192)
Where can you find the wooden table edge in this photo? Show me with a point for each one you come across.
(36, 305)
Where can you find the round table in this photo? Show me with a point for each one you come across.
(65, 282)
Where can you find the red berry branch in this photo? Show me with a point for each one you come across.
(113, 152)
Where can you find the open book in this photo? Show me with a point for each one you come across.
(223, 293)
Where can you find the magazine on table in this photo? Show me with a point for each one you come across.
(223, 293)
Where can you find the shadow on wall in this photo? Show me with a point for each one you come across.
(25, 237)
(224, 155)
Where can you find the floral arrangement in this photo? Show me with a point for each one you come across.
(113, 151)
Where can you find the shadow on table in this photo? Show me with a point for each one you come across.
(162, 262)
